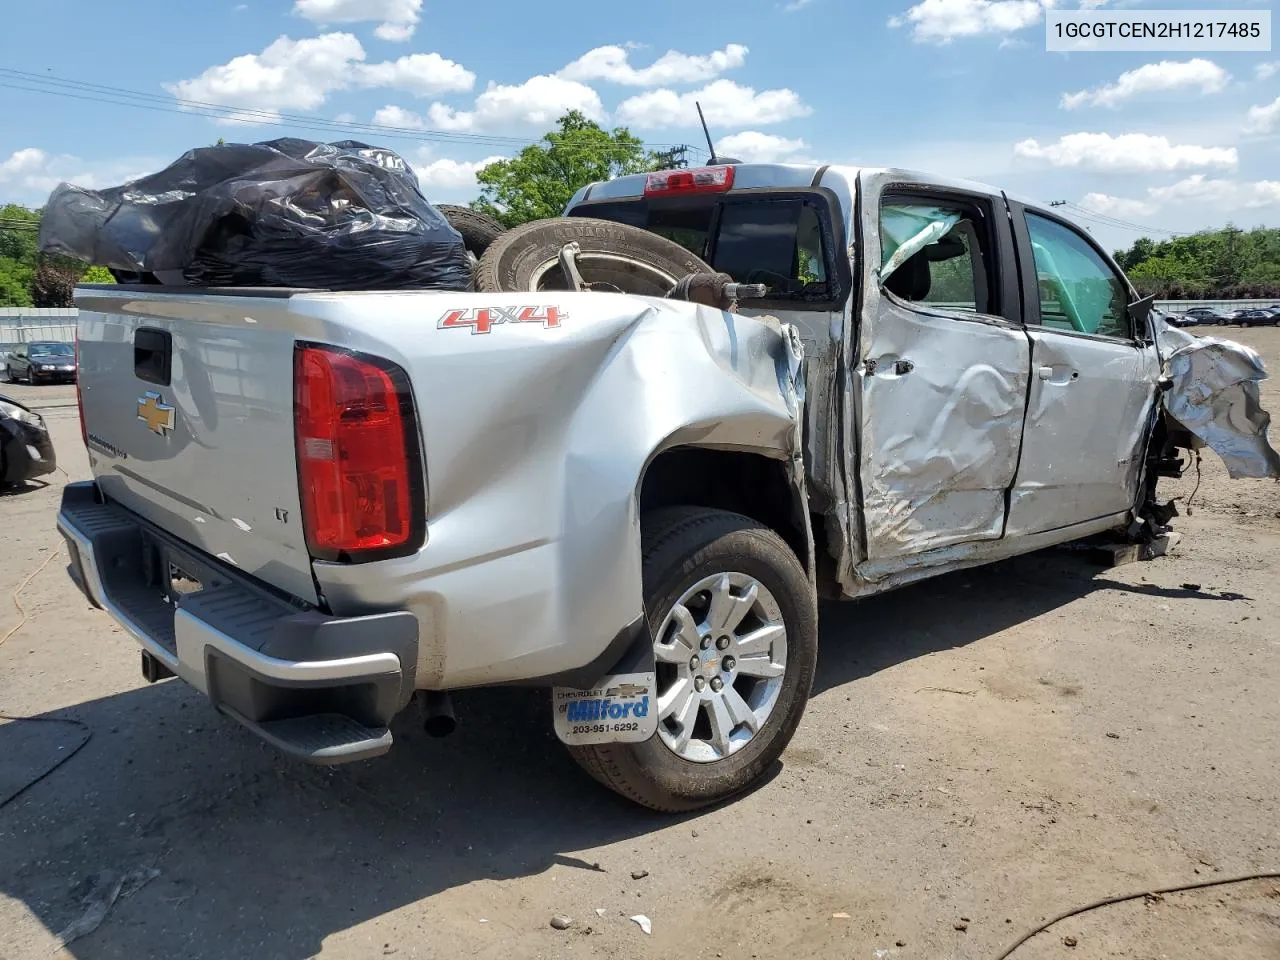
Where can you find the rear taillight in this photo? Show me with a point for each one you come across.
(673, 183)
(359, 466)
(84, 430)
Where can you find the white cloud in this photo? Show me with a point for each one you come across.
(795, 6)
(725, 103)
(450, 176)
(422, 74)
(393, 116)
(613, 63)
(1222, 194)
(540, 100)
(22, 163)
(30, 174)
(1263, 119)
(301, 74)
(1265, 71)
(755, 147)
(941, 21)
(1129, 152)
(1117, 206)
(1204, 75)
(287, 75)
(398, 18)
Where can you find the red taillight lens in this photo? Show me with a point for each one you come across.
(671, 183)
(84, 430)
(358, 463)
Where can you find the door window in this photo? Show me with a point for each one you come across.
(1078, 290)
(934, 254)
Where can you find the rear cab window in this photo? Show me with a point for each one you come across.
(782, 239)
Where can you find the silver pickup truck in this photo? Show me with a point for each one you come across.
(315, 506)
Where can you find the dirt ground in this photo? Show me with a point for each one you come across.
(981, 753)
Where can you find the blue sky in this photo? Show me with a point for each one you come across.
(1176, 141)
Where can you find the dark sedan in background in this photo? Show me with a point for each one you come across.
(26, 452)
(41, 362)
(1254, 318)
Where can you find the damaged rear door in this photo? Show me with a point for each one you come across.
(1093, 382)
(943, 363)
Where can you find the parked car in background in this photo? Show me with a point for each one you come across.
(26, 451)
(1255, 318)
(1201, 316)
(41, 362)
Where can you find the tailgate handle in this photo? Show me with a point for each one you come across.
(152, 355)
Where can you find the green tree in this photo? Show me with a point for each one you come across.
(18, 229)
(1226, 263)
(26, 278)
(54, 284)
(541, 180)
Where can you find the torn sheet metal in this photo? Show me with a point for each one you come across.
(1215, 396)
(942, 412)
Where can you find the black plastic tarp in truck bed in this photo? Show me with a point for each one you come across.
(284, 213)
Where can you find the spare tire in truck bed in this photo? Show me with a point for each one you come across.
(478, 229)
(611, 257)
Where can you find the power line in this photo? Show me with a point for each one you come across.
(119, 96)
(1107, 220)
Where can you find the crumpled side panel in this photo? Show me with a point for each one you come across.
(537, 439)
(940, 443)
(1215, 396)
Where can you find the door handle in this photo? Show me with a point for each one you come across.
(900, 367)
(1057, 375)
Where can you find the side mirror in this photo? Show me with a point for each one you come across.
(1140, 315)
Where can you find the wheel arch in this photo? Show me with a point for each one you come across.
(754, 483)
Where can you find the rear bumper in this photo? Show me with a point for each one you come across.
(322, 688)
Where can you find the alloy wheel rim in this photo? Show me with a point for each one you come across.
(721, 655)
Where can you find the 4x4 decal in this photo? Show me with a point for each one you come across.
(484, 319)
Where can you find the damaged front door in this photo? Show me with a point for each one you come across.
(943, 368)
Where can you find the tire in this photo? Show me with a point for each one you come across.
(478, 230)
(614, 258)
(684, 547)
(31, 377)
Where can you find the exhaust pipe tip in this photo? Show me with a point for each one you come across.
(438, 718)
(153, 670)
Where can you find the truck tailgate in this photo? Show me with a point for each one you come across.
(188, 412)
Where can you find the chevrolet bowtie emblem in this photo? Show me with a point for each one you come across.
(155, 413)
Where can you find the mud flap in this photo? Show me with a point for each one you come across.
(620, 707)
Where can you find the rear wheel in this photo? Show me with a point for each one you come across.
(734, 622)
(609, 256)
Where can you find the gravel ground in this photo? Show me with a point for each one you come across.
(981, 753)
